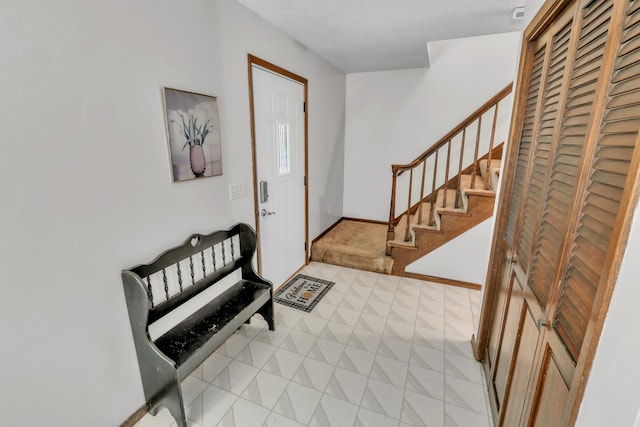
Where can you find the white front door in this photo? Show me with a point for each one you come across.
(279, 123)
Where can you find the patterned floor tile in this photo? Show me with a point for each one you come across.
(276, 420)
(371, 323)
(368, 418)
(404, 301)
(428, 358)
(353, 303)
(345, 316)
(383, 398)
(408, 286)
(324, 310)
(382, 295)
(459, 328)
(360, 288)
(192, 387)
(265, 389)
(399, 330)
(463, 368)
(465, 394)
(419, 410)
(430, 320)
(288, 317)
(244, 414)
(256, 353)
(215, 404)
(347, 385)
(458, 313)
(458, 346)
(283, 363)
(274, 337)
(426, 382)
(395, 348)
(427, 337)
(365, 340)
(235, 377)
(375, 308)
(327, 351)
(298, 402)
(337, 332)
(387, 283)
(233, 345)
(455, 416)
(431, 307)
(333, 412)
(377, 351)
(391, 371)
(333, 297)
(298, 342)
(314, 374)
(311, 325)
(402, 314)
(356, 360)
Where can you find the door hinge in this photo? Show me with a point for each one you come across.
(304, 107)
(305, 180)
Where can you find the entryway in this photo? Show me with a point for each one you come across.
(279, 140)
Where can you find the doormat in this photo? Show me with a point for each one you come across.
(303, 292)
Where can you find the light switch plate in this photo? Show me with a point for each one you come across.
(237, 190)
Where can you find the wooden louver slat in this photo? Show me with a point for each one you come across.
(548, 117)
(569, 151)
(599, 208)
(526, 138)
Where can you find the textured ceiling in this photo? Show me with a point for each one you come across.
(374, 35)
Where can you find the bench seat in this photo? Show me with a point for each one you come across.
(240, 301)
(175, 282)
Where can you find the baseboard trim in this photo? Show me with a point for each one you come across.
(370, 221)
(451, 282)
(135, 417)
(325, 232)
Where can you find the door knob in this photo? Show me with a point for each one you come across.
(266, 212)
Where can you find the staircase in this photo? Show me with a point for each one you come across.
(456, 187)
(449, 221)
(457, 201)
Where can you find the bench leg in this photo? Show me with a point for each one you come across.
(172, 400)
(266, 311)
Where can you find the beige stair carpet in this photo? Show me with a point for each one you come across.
(354, 244)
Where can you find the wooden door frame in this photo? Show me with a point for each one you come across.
(630, 198)
(254, 60)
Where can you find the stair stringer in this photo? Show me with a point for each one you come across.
(480, 206)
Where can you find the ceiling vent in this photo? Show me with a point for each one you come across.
(518, 13)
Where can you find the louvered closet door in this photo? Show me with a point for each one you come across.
(554, 367)
(570, 176)
(607, 174)
(504, 334)
(528, 311)
(544, 102)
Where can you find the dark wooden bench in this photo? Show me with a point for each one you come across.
(175, 281)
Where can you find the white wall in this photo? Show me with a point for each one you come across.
(464, 258)
(393, 116)
(612, 394)
(85, 179)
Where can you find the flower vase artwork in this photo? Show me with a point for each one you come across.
(194, 136)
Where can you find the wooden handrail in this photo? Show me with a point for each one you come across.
(460, 129)
(456, 130)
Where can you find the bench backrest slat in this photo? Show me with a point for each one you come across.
(179, 274)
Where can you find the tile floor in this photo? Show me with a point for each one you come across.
(377, 351)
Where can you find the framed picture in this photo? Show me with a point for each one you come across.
(193, 130)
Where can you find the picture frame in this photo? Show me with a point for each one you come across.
(193, 133)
